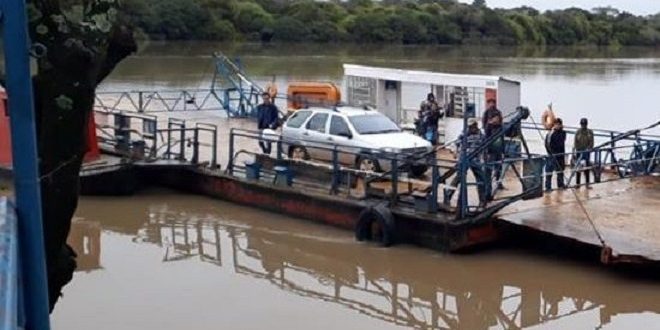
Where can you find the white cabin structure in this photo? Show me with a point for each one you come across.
(398, 93)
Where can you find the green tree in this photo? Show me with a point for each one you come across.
(250, 17)
(388, 21)
(288, 28)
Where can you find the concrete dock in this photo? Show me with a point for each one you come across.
(620, 216)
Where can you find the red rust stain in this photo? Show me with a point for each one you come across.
(305, 207)
(482, 234)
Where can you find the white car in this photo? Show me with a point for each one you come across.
(368, 139)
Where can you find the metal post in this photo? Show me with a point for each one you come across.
(26, 171)
(230, 163)
(597, 166)
(279, 148)
(462, 173)
(435, 176)
(140, 102)
(214, 153)
(195, 157)
(395, 180)
(169, 140)
(154, 148)
(182, 141)
(335, 171)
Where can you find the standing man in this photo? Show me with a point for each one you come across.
(492, 123)
(473, 139)
(267, 118)
(430, 114)
(584, 142)
(555, 144)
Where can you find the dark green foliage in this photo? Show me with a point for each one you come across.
(389, 21)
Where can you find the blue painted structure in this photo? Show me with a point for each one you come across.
(239, 94)
(8, 266)
(33, 284)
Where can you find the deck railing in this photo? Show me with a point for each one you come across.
(141, 136)
(643, 158)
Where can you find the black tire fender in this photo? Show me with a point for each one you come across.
(381, 216)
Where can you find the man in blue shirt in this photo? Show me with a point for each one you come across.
(267, 118)
(473, 140)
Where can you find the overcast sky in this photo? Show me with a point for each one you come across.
(639, 7)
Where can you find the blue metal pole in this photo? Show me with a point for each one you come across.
(26, 171)
(462, 173)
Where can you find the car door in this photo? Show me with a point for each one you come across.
(341, 135)
(316, 136)
(295, 127)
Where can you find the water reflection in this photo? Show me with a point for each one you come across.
(85, 239)
(399, 286)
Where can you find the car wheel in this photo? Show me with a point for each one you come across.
(367, 164)
(298, 153)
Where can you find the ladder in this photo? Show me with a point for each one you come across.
(238, 94)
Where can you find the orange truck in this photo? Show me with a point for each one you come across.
(305, 94)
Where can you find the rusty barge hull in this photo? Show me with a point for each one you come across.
(624, 216)
(435, 231)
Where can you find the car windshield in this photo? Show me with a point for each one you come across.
(373, 124)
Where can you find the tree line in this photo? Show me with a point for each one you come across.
(388, 21)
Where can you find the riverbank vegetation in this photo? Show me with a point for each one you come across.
(388, 21)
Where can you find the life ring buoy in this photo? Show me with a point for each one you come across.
(271, 89)
(376, 224)
(548, 118)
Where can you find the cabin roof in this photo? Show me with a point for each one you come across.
(425, 77)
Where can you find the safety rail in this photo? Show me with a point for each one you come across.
(643, 159)
(154, 101)
(128, 132)
(598, 132)
(397, 166)
(138, 136)
(189, 140)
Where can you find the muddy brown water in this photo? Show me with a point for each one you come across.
(163, 260)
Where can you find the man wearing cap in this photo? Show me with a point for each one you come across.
(429, 116)
(555, 144)
(473, 140)
(584, 142)
(492, 124)
(267, 119)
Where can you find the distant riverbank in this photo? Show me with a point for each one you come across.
(391, 22)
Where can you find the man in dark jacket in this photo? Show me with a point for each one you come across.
(555, 144)
(492, 124)
(267, 118)
(584, 142)
(430, 114)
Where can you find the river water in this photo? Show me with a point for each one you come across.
(162, 260)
